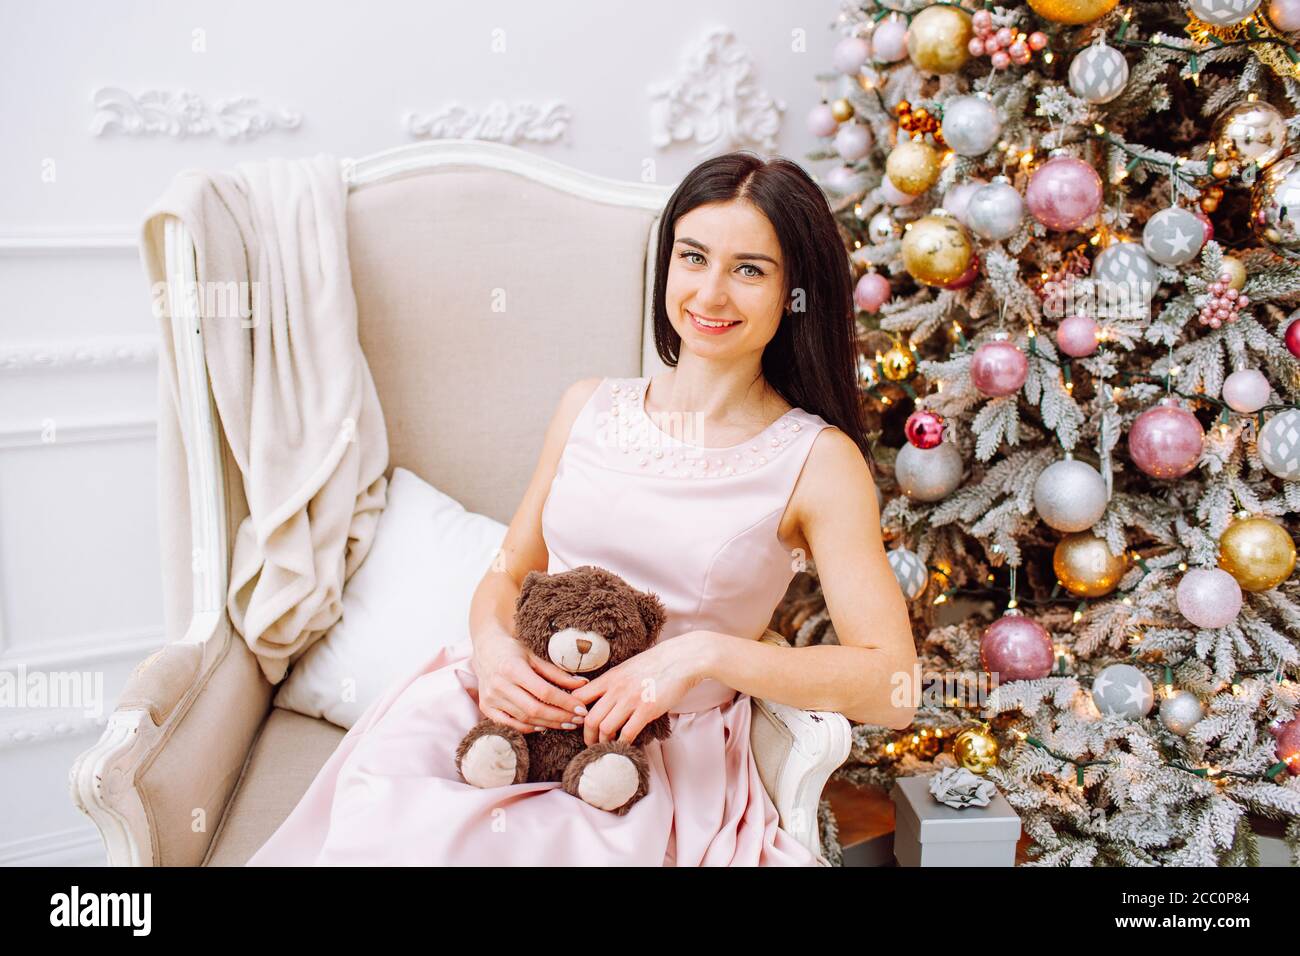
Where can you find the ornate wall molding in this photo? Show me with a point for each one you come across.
(41, 729)
(79, 354)
(78, 433)
(715, 101)
(500, 122)
(181, 113)
(40, 242)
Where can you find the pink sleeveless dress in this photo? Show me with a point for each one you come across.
(696, 526)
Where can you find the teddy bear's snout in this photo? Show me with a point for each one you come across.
(577, 651)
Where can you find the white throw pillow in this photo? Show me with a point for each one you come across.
(410, 597)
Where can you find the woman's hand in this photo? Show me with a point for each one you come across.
(626, 698)
(517, 688)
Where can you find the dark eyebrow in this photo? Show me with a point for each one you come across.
(739, 255)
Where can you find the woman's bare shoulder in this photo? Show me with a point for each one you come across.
(835, 467)
(569, 406)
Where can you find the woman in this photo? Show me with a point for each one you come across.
(708, 485)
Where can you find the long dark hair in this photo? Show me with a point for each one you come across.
(812, 360)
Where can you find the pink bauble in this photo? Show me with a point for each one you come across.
(998, 368)
(924, 428)
(844, 179)
(889, 42)
(1246, 391)
(1000, 60)
(850, 54)
(1288, 745)
(966, 278)
(957, 199)
(1076, 336)
(1206, 225)
(1037, 40)
(1166, 441)
(982, 21)
(852, 142)
(871, 292)
(1285, 15)
(1293, 338)
(821, 121)
(976, 46)
(1209, 597)
(1063, 193)
(1016, 647)
(893, 195)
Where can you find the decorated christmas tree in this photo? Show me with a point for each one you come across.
(1074, 226)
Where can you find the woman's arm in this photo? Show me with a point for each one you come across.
(835, 506)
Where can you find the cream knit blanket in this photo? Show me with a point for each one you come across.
(294, 394)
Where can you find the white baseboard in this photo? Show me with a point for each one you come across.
(80, 846)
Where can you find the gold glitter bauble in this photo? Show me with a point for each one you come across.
(938, 39)
(1235, 269)
(912, 167)
(842, 110)
(1257, 552)
(1072, 12)
(936, 249)
(1249, 133)
(976, 750)
(1085, 566)
(898, 363)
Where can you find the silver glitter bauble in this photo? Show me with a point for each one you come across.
(910, 571)
(881, 227)
(1173, 236)
(1099, 72)
(1279, 444)
(995, 211)
(1121, 690)
(1275, 206)
(971, 125)
(1180, 711)
(1222, 13)
(1126, 272)
(1070, 495)
(928, 474)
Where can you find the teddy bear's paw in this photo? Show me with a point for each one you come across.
(610, 777)
(491, 761)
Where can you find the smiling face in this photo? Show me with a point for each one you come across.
(726, 265)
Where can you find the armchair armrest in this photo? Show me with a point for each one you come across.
(796, 752)
(158, 781)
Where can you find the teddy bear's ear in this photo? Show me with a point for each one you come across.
(653, 613)
(531, 578)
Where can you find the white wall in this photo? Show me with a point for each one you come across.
(79, 574)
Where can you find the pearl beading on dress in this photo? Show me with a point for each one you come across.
(634, 441)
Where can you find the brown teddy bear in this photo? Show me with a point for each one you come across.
(586, 621)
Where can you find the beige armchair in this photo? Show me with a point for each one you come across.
(195, 766)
